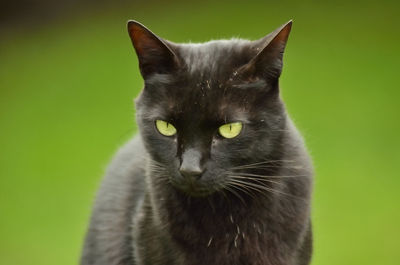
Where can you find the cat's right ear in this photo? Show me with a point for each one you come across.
(268, 62)
(154, 55)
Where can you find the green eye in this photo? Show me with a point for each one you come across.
(165, 128)
(230, 130)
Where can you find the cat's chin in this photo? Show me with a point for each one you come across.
(193, 190)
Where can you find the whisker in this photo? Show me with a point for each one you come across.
(265, 176)
(225, 195)
(264, 162)
(243, 188)
(266, 189)
(248, 185)
(266, 167)
(229, 188)
(257, 179)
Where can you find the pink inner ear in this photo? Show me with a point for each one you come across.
(268, 61)
(283, 34)
(142, 40)
(153, 54)
(276, 41)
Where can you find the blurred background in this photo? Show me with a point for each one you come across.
(68, 75)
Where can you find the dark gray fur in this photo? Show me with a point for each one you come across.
(147, 212)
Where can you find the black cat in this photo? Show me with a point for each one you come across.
(218, 175)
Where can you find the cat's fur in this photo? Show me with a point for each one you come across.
(245, 200)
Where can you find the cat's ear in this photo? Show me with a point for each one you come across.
(268, 61)
(154, 54)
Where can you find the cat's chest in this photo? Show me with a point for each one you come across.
(241, 246)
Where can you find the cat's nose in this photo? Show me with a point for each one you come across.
(194, 173)
(191, 164)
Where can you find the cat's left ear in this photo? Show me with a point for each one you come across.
(268, 61)
(154, 54)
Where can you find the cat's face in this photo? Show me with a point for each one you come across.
(207, 110)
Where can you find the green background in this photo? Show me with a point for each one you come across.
(66, 91)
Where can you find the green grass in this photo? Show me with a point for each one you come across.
(66, 95)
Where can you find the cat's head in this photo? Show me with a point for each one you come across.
(208, 110)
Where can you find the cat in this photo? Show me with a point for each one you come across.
(218, 173)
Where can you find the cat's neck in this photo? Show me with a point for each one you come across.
(204, 228)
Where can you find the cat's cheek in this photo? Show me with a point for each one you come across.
(215, 146)
(214, 143)
(161, 148)
(218, 141)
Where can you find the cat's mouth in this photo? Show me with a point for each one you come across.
(194, 188)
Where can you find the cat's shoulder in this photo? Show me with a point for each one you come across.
(129, 157)
(120, 193)
(125, 176)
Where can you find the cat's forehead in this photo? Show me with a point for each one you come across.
(215, 57)
(200, 99)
